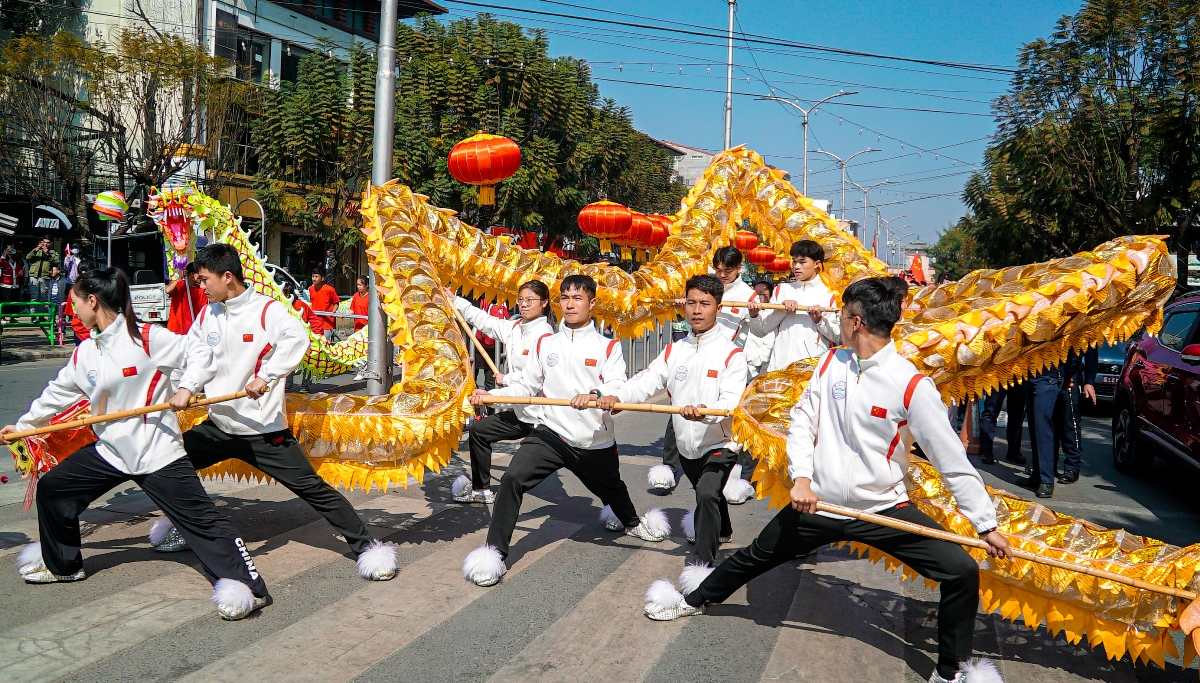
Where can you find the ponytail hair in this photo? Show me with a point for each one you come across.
(543, 292)
(111, 289)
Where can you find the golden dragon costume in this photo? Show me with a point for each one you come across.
(991, 328)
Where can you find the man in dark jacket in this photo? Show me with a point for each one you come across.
(41, 259)
(1042, 396)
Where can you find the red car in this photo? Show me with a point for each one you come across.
(1156, 411)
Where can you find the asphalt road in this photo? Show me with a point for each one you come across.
(570, 608)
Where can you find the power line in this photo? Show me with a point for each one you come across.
(711, 32)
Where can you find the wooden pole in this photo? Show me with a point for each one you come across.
(111, 417)
(743, 304)
(487, 358)
(632, 407)
(1020, 554)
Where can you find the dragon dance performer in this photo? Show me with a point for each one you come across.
(121, 368)
(705, 370)
(727, 267)
(254, 342)
(580, 364)
(848, 443)
(798, 335)
(520, 338)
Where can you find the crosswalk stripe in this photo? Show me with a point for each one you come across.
(75, 638)
(845, 625)
(348, 637)
(621, 643)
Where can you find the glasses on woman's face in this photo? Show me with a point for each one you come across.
(530, 302)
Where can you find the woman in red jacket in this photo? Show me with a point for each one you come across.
(358, 302)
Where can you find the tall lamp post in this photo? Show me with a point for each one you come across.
(805, 113)
(843, 163)
(866, 201)
(887, 236)
(379, 349)
(729, 81)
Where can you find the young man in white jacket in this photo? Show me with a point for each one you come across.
(734, 325)
(519, 338)
(705, 370)
(580, 364)
(848, 444)
(254, 342)
(803, 330)
(121, 367)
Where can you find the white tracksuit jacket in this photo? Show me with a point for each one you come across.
(567, 364)
(116, 372)
(248, 336)
(797, 336)
(519, 339)
(735, 320)
(706, 370)
(853, 426)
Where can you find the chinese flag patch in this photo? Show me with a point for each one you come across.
(712, 373)
(129, 372)
(733, 311)
(590, 362)
(876, 411)
(247, 337)
(525, 352)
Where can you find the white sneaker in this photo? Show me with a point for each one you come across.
(234, 600)
(654, 527)
(484, 567)
(737, 490)
(377, 562)
(43, 575)
(664, 603)
(463, 492)
(165, 538)
(976, 670)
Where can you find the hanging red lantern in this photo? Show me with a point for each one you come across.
(484, 160)
(641, 232)
(781, 264)
(659, 236)
(745, 241)
(605, 219)
(761, 256)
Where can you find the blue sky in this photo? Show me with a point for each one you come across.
(923, 154)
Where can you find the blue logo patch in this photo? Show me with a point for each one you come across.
(92, 377)
(213, 339)
(680, 373)
(839, 391)
(552, 360)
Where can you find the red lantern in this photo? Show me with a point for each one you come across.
(641, 232)
(761, 256)
(484, 160)
(745, 241)
(781, 264)
(605, 219)
(659, 237)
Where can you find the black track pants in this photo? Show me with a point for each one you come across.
(503, 426)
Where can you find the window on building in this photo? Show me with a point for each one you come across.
(289, 63)
(326, 8)
(227, 29)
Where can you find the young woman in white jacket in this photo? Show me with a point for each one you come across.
(122, 367)
(520, 338)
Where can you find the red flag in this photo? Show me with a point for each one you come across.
(875, 245)
(918, 271)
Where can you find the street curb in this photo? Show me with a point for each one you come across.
(8, 356)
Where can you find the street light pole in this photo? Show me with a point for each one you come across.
(379, 351)
(867, 201)
(842, 163)
(729, 81)
(804, 123)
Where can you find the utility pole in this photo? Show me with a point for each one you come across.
(805, 112)
(842, 163)
(379, 347)
(867, 202)
(729, 81)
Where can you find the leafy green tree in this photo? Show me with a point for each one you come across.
(956, 251)
(481, 74)
(1099, 135)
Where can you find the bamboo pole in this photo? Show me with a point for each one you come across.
(121, 415)
(487, 358)
(742, 304)
(1020, 554)
(631, 407)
